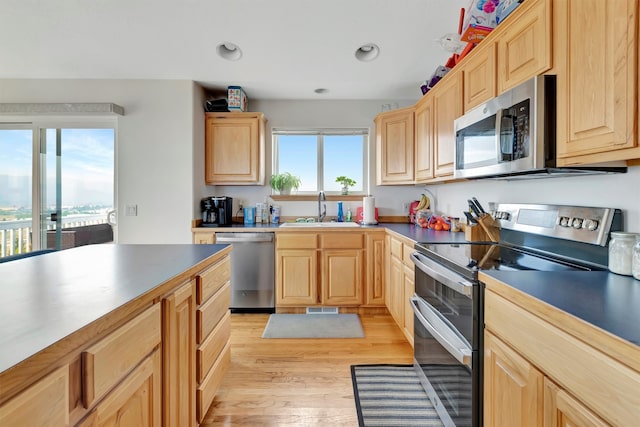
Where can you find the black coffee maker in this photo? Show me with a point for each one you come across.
(217, 211)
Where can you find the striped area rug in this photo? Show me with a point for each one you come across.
(391, 395)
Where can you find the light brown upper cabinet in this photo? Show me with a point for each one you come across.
(596, 45)
(424, 139)
(524, 43)
(394, 147)
(479, 75)
(447, 106)
(234, 148)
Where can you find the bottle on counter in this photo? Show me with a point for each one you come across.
(340, 214)
(348, 218)
(621, 252)
(635, 263)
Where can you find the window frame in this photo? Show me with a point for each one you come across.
(320, 133)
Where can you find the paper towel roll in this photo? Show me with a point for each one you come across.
(369, 210)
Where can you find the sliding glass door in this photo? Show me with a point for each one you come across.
(57, 187)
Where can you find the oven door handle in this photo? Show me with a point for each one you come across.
(442, 274)
(441, 332)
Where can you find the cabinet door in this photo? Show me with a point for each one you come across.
(136, 402)
(513, 388)
(447, 106)
(479, 76)
(178, 346)
(562, 410)
(424, 139)
(234, 148)
(394, 147)
(396, 291)
(296, 277)
(409, 289)
(200, 238)
(597, 92)
(375, 269)
(524, 47)
(342, 277)
(46, 403)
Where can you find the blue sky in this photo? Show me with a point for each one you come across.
(87, 166)
(342, 156)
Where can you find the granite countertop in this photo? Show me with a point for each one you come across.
(606, 300)
(46, 298)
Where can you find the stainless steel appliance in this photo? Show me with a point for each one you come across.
(448, 304)
(513, 135)
(252, 271)
(217, 211)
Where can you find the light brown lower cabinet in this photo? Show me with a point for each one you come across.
(141, 370)
(178, 351)
(543, 367)
(46, 403)
(400, 283)
(136, 402)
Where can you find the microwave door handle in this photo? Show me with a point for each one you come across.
(441, 332)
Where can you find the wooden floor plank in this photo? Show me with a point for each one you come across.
(299, 382)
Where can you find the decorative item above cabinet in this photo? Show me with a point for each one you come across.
(235, 148)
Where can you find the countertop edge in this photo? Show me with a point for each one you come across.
(606, 342)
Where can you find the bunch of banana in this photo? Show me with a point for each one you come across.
(424, 203)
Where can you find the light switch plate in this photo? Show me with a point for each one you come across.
(131, 210)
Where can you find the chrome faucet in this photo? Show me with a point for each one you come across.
(322, 213)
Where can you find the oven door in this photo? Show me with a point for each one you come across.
(444, 356)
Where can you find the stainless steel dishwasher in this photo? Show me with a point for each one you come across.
(252, 271)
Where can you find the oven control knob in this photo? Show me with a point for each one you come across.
(590, 224)
(577, 222)
(564, 221)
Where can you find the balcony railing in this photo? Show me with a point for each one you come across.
(15, 236)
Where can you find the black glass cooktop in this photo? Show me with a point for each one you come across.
(468, 258)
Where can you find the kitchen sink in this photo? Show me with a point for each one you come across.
(320, 224)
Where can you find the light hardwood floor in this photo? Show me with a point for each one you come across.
(299, 382)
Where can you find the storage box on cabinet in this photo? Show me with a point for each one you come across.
(46, 403)
(112, 358)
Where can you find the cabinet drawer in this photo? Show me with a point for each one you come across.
(341, 241)
(212, 279)
(210, 349)
(296, 241)
(107, 362)
(207, 390)
(395, 247)
(209, 314)
(46, 403)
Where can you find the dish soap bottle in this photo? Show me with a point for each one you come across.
(348, 218)
(340, 214)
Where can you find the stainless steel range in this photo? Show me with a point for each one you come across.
(448, 304)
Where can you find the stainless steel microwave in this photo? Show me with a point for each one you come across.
(512, 133)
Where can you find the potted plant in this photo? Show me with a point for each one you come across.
(284, 182)
(346, 183)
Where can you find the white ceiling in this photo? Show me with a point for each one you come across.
(290, 47)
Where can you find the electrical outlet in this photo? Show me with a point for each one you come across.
(405, 207)
(131, 210)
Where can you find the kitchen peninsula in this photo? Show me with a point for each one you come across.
(87, 334)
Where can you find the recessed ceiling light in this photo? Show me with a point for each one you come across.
(229, 51)
(367, 52)
(321, 90)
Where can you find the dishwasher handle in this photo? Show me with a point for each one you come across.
(244, 237)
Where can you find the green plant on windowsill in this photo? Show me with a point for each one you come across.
(346, 183)
(284, 182)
